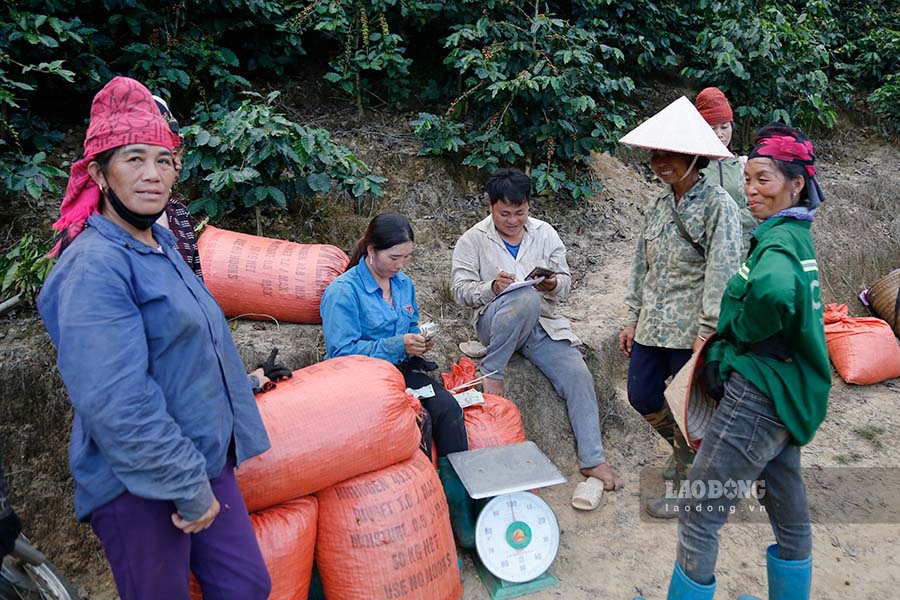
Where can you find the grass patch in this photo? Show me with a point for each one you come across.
(847, 459)
(857, 234)
(871, 433)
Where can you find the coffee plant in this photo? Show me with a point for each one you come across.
(538, 83)
(537, 90)
(768, 62)
(24, 268)
(254, 155)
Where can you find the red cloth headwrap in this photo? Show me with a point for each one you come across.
(122, 113)
(713, 105)
(788, 149)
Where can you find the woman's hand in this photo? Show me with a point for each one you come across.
(626, 340)
(200, 524)
(415, 344)
(548, 284)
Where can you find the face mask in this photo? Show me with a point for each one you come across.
(140, 222)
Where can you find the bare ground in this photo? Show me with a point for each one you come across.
(612, 552)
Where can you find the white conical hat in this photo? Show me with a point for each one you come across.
(679, 127)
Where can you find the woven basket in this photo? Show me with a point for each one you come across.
(884, 297)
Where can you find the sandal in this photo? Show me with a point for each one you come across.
(588, 494)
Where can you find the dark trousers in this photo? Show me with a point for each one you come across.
(151, 559)
(447, 424)
(648, 370)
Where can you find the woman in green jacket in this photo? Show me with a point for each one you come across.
(771, 353)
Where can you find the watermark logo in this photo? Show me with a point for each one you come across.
(832, 495)
(714, 489)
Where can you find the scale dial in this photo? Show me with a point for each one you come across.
(517, 536)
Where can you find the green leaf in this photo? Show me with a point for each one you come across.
(278, 196)
(202, 138)
(319, 182)
(10, 277)
(33, 189)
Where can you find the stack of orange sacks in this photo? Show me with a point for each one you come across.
(496, 422)
(345, 483)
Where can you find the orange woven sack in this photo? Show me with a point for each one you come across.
(287, 538)
(863, 349)
(329, 422)
(250, 275)
(497, 422)
(387, 535)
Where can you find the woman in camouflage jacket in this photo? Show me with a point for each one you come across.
(689, 245)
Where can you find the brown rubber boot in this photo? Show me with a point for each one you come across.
(682, 457)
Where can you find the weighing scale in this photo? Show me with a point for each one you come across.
(516, 534)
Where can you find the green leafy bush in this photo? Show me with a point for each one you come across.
(768, 61)
(27, 39)
(651, 34)
(539, 84)
(254, 155)
(369, 57)
(864, 38)
(886, 103)
(30, 174)
(24, 268)
(537, 91)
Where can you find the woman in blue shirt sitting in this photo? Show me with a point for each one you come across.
(371, 310)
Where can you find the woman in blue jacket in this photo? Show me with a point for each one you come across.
(163, 412)
(371, 310)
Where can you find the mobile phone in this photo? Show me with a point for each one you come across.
(539, 272)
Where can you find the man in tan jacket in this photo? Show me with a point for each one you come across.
(499, 252)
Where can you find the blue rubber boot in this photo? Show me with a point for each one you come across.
(459, 503)
(788, 579)
(683, 587)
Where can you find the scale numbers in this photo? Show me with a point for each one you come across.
(517, 536)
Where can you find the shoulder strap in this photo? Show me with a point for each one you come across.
(683, 231)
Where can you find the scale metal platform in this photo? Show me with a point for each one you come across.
(516, 534)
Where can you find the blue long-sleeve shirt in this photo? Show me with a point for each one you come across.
(357, 320)
(157, 384)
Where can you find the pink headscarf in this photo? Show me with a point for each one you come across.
(122, 113)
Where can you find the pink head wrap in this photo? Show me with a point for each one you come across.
(122, 113)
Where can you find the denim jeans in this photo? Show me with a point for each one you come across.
(746, 441)
(511, 323)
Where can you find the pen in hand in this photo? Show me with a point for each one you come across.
(502, 281)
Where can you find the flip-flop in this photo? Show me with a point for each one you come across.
(588, 494)
(473, 349)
